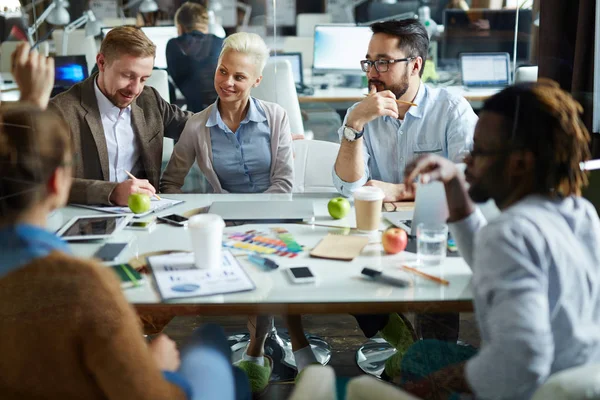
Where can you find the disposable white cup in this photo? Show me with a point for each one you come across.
(206, 234)
(368, 201)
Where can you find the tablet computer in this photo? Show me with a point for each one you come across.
(90, 227)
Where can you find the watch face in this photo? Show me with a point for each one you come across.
(349, 134)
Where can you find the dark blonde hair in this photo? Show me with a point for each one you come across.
(544, 119)
(192, 16)
(126, 40)
(33, 143)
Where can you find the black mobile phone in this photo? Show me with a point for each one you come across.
(174, 219)
(110, 251)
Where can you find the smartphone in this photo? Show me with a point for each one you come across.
(174, 219)
(141, 225)
(110, 251)
(300, 275)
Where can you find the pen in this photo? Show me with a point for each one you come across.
(426, 276)
(133, 177)
(130, 275)
(380, 277)
(262, 262)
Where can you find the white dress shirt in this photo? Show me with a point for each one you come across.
(536, 292)
(442, 123)
(121, 142)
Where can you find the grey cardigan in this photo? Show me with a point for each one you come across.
(195, 144)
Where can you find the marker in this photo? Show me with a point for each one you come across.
(379, 277)
(262, 262)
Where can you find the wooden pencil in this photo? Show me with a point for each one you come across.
(409, 103)
(424, 275)
(133, 177)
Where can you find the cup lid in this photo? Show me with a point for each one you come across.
(368, 193)
(206, 221)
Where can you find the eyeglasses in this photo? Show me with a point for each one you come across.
(382, 65)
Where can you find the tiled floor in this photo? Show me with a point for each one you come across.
(340, 331)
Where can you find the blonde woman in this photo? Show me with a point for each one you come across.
(241, 144)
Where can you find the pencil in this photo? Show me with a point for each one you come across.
(426, 276)
(130, 275)
(410, 103)
(133, 177)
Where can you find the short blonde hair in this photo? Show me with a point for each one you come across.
(192, 16)
(250, 44)
(126, 40)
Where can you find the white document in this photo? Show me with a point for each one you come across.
(155, 206)
(177, 276)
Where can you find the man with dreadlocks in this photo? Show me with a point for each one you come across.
(536, 267)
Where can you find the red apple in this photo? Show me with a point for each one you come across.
(394, 240)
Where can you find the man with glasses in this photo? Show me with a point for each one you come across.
(382, 134)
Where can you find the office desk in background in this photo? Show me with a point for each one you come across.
(339, 287)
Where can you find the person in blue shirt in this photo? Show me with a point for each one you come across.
(192, 57)
(62, 316)
(380, 136)
(536, 267)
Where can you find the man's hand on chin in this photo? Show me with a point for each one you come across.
(393, 191)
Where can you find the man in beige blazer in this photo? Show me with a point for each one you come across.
(117, 124)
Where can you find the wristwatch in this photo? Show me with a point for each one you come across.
(351, 134)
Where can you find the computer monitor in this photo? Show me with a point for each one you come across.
(340, 48)
(160, 36)
(379, 10)
(484, 31)
(296, 60)
(485, 69)
(69, 70)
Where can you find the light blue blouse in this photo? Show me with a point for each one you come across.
(242, 160)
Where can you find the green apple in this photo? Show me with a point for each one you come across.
(338, 207)
(139, 203)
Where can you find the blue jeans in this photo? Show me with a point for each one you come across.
(206, 365)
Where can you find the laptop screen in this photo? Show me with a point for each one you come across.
(69, 70)
(485, 69)
(296, 60)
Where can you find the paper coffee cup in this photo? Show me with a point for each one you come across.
(206, 234)
(368, 201)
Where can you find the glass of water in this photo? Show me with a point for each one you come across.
(431, 243)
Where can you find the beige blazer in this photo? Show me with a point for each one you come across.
(152, 119)
(195, 144)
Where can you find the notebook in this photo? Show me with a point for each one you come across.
(337, 247)
(155, 206)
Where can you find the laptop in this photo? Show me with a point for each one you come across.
(264, 211)
(68, 70)
(485, 71)
(295, 60)
(430, 207)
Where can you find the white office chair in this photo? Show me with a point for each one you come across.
(305, 23)
(579, 383)
(159, 80)
(313, 163)
(278, 86)
(9, 47)
(304, 45)
(78, 43)
(526, 74)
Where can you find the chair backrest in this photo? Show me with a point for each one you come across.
(313, 166)
(305, 23)
(577, 383)
(304, 45)
(8, 47)
(159, 80)
(526, 74)
(278, 86)
(77, 43)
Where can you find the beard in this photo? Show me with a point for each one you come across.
(490, 185)
(398, 88)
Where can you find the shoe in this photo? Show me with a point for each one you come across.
(258, 376)
(398, 332)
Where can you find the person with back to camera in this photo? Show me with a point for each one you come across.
(240, 143)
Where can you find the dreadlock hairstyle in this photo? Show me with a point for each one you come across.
(33, 143)
(545, 120)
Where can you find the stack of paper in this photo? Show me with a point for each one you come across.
(155, 206)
